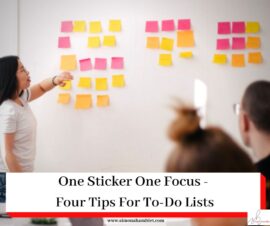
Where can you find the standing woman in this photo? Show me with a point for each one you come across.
(17, 122)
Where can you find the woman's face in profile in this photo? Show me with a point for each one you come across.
(23, 77)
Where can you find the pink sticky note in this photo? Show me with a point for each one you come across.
(224, 28)
(100, 63)
(167, 25)
(183, 24)
(223, 44)
(66, 26)
(238, 27)
(151, 26)
(238, 43)
(117, 63)
(63, 42)
(85, 64)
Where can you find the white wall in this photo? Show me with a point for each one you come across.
(131, 134)
(8, 27)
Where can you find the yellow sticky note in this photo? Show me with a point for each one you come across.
(67, 85)
(152, 42)
(220, 59)
(255, 58)
(84, 82)
(167, 44)
(95, 27)
(109, 40)
(79, 26)
(165, 59)
(68, 62)
(83, 101)
(238, 60)
(115, 25)
(185, 39)
(118, 81)
(101, 84)
(93, 42)
(63, 98)
(253, 42)
(252, 27)
(186, 54)
(103, 100)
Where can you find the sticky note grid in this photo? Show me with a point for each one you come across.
(184, 39)
(238, 37)
(94, 77)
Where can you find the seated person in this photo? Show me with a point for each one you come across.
(255, 126)
(205, 150)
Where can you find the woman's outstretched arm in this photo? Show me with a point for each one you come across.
(39, 89)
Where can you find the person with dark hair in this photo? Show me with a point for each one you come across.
(205, 150)
(254, 124)
(17, 122)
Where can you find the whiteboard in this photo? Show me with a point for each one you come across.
(130, 135)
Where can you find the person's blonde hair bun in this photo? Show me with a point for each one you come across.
(186, 123)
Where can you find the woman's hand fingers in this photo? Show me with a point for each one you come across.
(62, 84)
(64, 76)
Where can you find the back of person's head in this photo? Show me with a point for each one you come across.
(203, 150)
(256, 103)
(8, 79)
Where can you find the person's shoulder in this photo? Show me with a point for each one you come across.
(7, 107)
(263, 166)
(264, 161)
